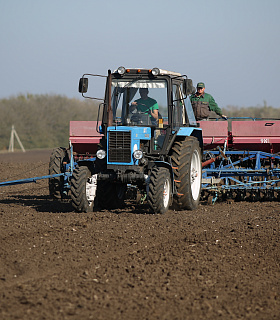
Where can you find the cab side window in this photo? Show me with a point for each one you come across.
(178, 106)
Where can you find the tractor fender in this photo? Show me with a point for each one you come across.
(194, 132)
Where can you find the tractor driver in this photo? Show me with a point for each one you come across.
(146, 105)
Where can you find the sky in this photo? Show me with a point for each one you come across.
(232, 46)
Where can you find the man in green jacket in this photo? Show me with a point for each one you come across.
(203, 103)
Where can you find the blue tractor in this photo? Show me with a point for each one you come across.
(150, 144)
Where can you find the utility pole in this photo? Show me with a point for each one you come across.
(13, 135)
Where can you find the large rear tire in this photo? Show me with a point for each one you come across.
(186, 162)
(83, 189)
(160, 190)
(58, 156)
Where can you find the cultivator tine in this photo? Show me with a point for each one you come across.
(222, 154)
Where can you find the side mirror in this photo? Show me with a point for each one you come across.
(83, 85)
(188, 87)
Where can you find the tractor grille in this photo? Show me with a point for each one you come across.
(119, 146)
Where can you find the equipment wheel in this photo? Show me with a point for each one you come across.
(58, 156)
(160, 190)
(83, 189)
(186, 162)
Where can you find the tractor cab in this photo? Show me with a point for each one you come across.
(154, 99)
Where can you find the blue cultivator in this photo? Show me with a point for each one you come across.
(252, 173)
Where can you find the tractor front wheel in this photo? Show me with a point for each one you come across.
(83, 189)
(160, 190)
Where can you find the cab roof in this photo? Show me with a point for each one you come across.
(123, 71)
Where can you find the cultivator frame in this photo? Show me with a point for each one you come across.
(241, 174)
(66, 174)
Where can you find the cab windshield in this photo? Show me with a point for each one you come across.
(138, 102)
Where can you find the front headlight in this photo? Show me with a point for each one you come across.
(121, 70)
(138, 154)
(101, 154)
(155, 71)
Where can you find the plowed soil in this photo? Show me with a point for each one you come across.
(218, 262)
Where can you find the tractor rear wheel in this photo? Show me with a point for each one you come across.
(160, 190)
(58, 156)
(83, 189)
(186, 162)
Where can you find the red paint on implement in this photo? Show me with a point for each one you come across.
(263, 135)
(214, 133)
(84, 137)
(259, 135)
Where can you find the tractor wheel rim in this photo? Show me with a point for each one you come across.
(90, 190)
(195, 175)
(166, 193)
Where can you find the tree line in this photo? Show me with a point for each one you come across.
(42, 121)
(253, 112)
